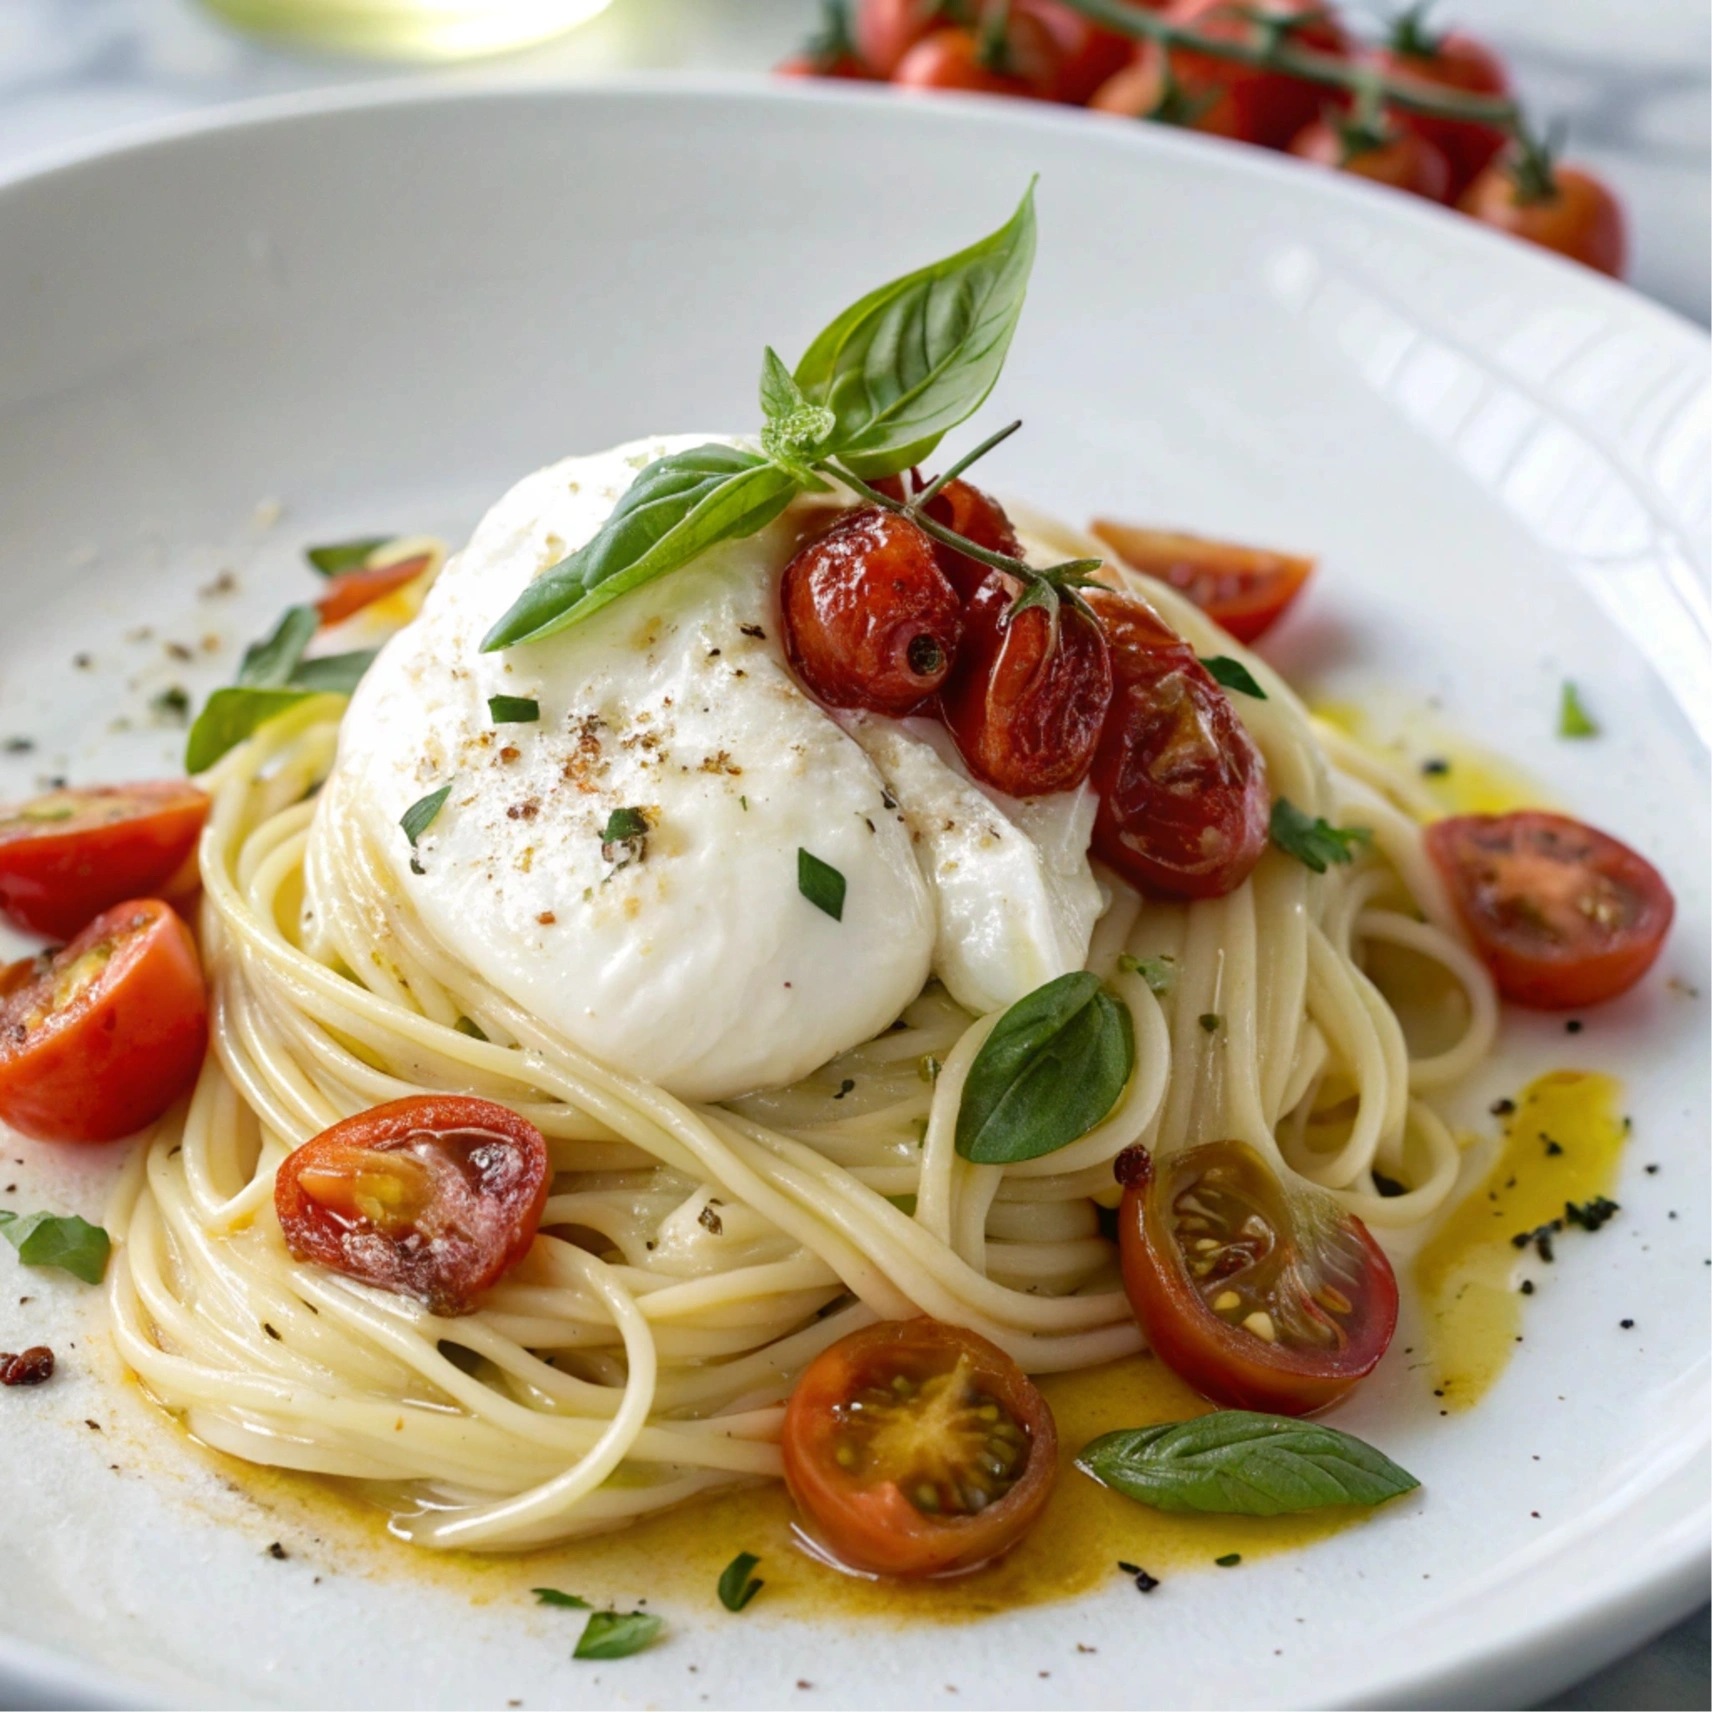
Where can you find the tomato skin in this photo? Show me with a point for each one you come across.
(1245, 589)
(1226, 1362)
(845, 66)
(964, 509)
(1582, 219)
(1184, 804)
(870, 619)
(1087, 55)
(886, 30)
(108, 1058)
(1026, 716)
(1457, 61)
(484, 1176)
(958, 59)
(1563, 915)
(874, 1527)
(350, 591)
(1406, 160)
(60, 869)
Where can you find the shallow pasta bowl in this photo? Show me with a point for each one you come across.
(314, 319)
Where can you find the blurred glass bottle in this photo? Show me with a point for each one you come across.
(408, 29)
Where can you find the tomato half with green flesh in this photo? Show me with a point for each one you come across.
(1261, 1297)
(67, 856)
(1562, 915)
(435, 1197)
(350, 591)
(98, 1038)
(915, 1448)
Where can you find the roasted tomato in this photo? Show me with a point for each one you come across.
(886, 30)
(1246, 589)
(1183, 800)
(1026, 705)
(1450, 61)
(1562, 915)
(99, 1038)
(1087, 55)
(1019, 59)
(350, 591)
(831, 52)
(1260, 1297)
(69, 855)
(1561, 208)
(870, 619)
(1403, 159)
(915, 1448)
(964, 509)
(434, 1197)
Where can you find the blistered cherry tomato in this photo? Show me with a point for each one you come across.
(1405, 160)
(1087, 55)
(350, 591)
(1184, 805)
(1562, 915)
(1261, 1297)
(886, 30)
(434, 1197)
(831, 52)
(98, 1038)
(870, 619)
(67, 856)
(1245, 589)
(1451, 61)
(1025, 705)
(1021, 60)
(916, 1448)
(964, 509)
(1571, 212)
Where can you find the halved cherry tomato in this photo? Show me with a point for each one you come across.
(351, 591)
(98, 1038)
(886, 30)
(1567, 210)
(1405, 160)
(434, 1197)
(1246, 589)
(67, 856)
(1019, 59)
(1562, 915)
(916, 1448)
(1184, 807)
(1260, 1297)
(870, 619)
(1450, 61)
(1024, 705)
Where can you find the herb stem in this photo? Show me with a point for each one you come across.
(931, 491)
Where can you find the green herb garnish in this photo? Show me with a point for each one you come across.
(565, 1601)
(1229, 1561)
(345, 555)
(736, 1587)
(1573, 719)
(1209, 1020)
(623, 824)
(66, 1241)
(821, 884)
(1160, 973)
(337, 674)
(1234, 675)
(617, 1634)
(420, 815)
(269, 663)
(513, 709)
(1314, 843)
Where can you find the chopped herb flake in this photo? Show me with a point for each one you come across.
(1158, 972)
(339, 556)
(624, 824)
(1590, 1215)
(565, 1601)
(420, 815)
(736, 1586)
(617, 1634)
(513, 710)
(821, 884)
(1314, 843)
(1233, 675)
(1572, 717)
(1209, 1020)
(1229, 1561)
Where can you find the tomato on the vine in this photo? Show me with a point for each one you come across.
(1403, 159)
(1561, 914)
(831, 52)
(915, 1448)
(1020, 58)
(1562, 208)
(965, 510)
(1454, 61)
(1087, 54)
(886, 30)
(1260, 1296)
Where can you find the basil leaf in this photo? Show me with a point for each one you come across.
(70, 1243)
(677, 507)
(344, 555)
(736, 1588)
(1235, 1463)
(1233, 675)
(269, 664)
(337, 673)
(229, 717)
(1573, 720)
(904, 365)
(617, 1634)
(565, 1601)
(1160, 973)
(1051, 1070)
(513, 709)
(821, 884)
(1314, 843)
(420, 815)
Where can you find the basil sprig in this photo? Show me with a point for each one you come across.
(1236, 1463)
(877, 390)
(1053, 1068)
(50, 1239)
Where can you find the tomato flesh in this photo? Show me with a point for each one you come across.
(434, 1197)
(1562, 915)
(1260, 1298)
(350, 591)
(915, 1448)
(67, 856)
(99, 1038)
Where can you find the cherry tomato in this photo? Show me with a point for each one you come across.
(1021, 60)
(1261, 1297)
(1569, 211)
(67, 856)
(1563, 915)
(915, 1448)
(1452, 61)
(831, 52)
(1245, 589)
(1025, 707)
(963, 508)
(351, 591)
(1140, 90)
(1087, 56)
(1184, 808)
(433, 1197)
(886, 30)
(1405, 160)
(98, 1038)
(870, 619)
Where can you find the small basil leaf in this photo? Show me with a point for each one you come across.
(421, 814)
(617, 1634)
(336, 673)
(736, 1588)
(230, 716)
(344, 555)
(513, 709)
(1573, 720)
(1235, 1463)
(677, 507)
(904, 365)
(70, 1243)
(1314, 843)
(1053, 1068)
(1234, 675)
(821, 884)
(565, 1601)
(624, 824)
(269, 664)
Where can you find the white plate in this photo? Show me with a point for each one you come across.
(379, 311)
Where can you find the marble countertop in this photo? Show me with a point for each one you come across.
(1631, 79)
